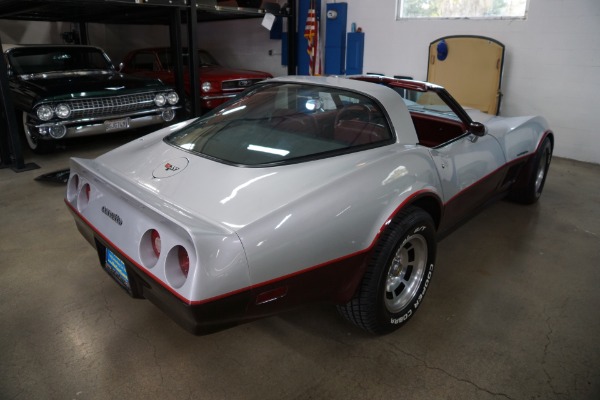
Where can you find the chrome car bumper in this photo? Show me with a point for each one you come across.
(220, 96)
(210, 102)
(97, 126)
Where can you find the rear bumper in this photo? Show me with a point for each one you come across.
(198, 318)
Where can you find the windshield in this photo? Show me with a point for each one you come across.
(205, 59)
(37, 60)
(284, 122)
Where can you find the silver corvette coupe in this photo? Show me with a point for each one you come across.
(302, 189)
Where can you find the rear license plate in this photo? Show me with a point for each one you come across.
(117, 269)
(116, 124)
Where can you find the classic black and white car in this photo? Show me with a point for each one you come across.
(73, 91)
(302, 189)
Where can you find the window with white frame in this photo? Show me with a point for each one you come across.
(510, 9)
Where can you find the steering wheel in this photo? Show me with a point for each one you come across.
(358, 112)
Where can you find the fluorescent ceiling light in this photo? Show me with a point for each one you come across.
(269, 150)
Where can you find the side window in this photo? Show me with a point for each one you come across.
(281, 98)
(144, 61)
(327, 101)
(349, 100)
(166, 59)
(434, 121)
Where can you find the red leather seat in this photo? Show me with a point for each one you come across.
(354, 132)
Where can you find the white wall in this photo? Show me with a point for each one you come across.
(24, 32)
(116, 40)
(21, 32)
(552, 64)
(236, 43)
(552, 61)
(242, 43)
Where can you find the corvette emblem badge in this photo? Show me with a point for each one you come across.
(170, 167)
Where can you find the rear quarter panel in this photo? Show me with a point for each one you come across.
(341, 219)
(518, 136)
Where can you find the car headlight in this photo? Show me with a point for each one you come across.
(58, 131)
(206, 86)
(63, 110)
(168, 114)
(45, 113)
(172, 98)
(160, 100)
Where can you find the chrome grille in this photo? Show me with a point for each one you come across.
(95, 107)
(239, 84)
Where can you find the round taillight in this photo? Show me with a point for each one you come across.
(83, 196)
(72, 187)
(86, 190)
(177, 266)
(184, 261)
(155, 240)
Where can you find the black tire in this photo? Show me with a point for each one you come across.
(36, 144)
(397, 276)
(530, 188)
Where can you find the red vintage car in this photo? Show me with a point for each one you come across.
(217, 83)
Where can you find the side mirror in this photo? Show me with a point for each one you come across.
(477, 128)
(121, 66)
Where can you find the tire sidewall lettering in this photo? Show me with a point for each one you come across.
(425, 286)
(417, 301)
(401, 319)
(408, 311)
(370, 308)
(419, 229)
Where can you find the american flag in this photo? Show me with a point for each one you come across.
(311, 33)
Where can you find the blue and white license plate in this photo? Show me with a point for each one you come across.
(116, 267)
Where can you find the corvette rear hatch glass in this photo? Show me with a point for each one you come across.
(280, 123)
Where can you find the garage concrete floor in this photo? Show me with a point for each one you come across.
(512, 313)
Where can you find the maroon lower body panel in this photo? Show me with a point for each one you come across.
(335, 281)
(467, 203)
